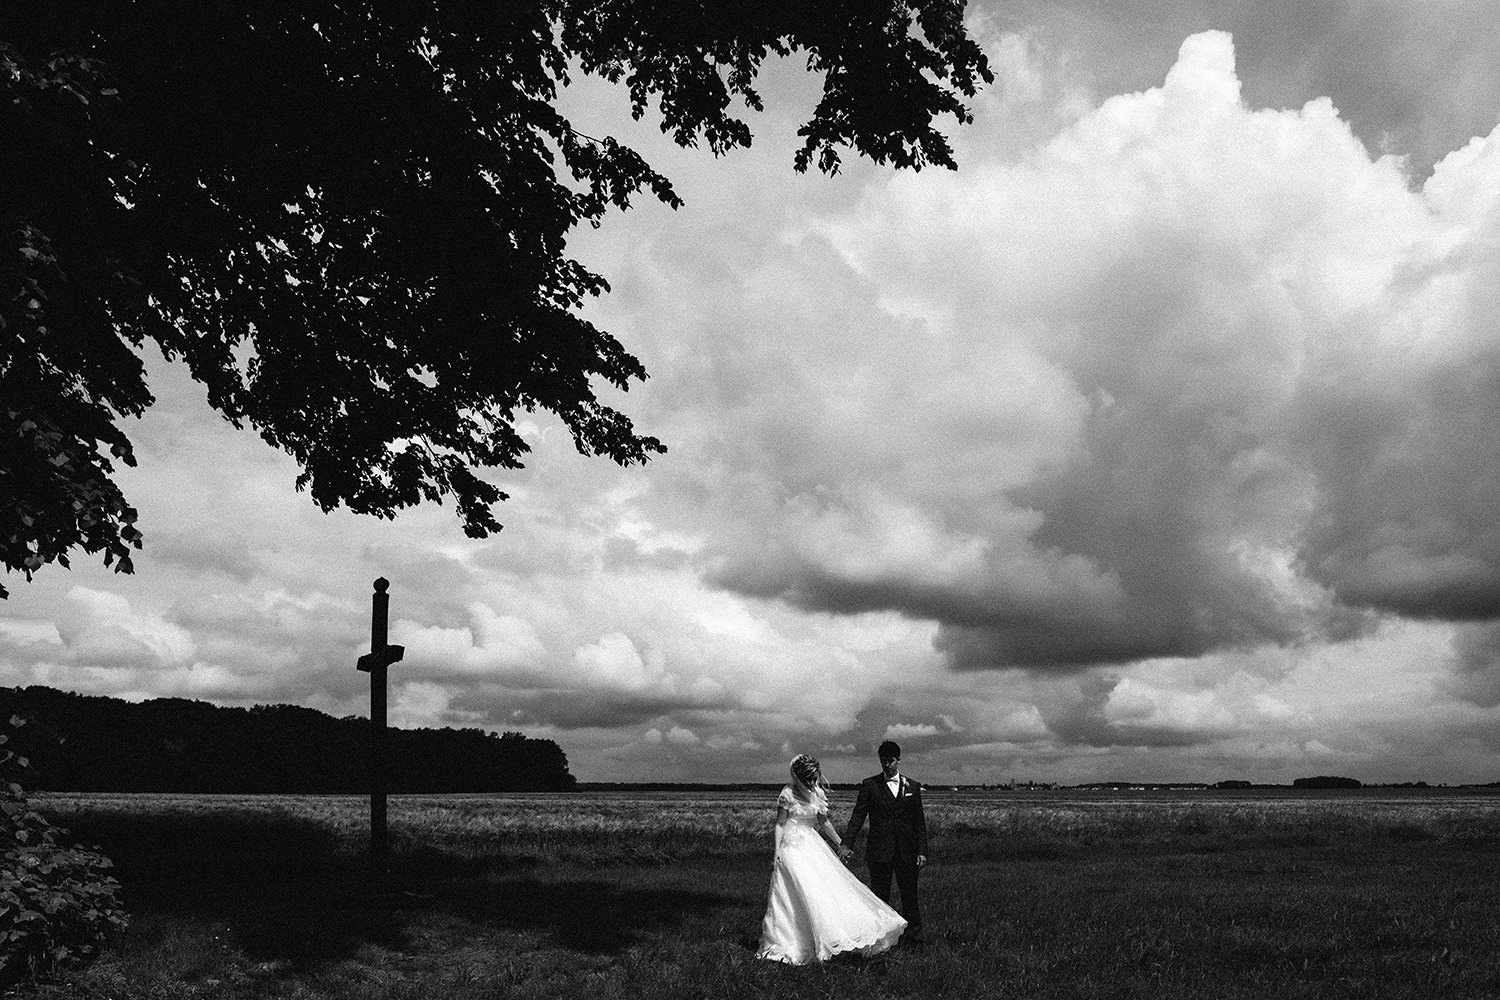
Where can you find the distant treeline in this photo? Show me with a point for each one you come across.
(1321, 781)
(685, 786)
(1150, 785)
(86, 743)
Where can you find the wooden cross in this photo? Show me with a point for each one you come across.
(381, 655)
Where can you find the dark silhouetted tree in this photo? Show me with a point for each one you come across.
(350, 220)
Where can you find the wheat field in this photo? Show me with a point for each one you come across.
(1047, 895)
(963, 823)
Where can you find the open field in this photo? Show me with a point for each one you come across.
(1062, 894)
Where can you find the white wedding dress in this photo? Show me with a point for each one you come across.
(818, 907)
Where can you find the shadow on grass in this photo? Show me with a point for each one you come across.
(291, 893)
(280, 884)
(591, 915)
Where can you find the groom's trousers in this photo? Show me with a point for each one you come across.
(906, 884)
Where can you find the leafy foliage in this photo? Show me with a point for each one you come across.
(351, 222)
(58, 902)
(65, 371)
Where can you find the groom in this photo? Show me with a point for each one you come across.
(898, 835)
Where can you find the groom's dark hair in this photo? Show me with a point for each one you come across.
(889, 750)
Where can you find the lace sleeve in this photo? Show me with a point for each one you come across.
(786, 800)
(783, 811)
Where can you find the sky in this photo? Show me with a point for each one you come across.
(1154, 443)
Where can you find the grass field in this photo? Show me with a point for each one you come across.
(1031, 894)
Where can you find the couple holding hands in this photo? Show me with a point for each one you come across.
(818, 908)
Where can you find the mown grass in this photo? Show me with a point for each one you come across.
(1046, 896)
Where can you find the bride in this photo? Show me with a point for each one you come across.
(818, 908)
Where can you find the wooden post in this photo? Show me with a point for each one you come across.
(381, 655)
(380, 604)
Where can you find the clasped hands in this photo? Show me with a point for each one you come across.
(846, 852)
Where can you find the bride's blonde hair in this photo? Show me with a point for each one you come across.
(806, 770)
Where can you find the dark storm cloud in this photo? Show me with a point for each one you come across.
(1410, 523)
(1170, 615)
(1476, 665)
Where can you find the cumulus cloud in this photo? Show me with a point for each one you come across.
(419, 705)
(1133, 705)
(98, 627)
(486, 644)
(682, 737)
(101, 642)
(1190, 377)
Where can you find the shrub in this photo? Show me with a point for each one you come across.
(58, 903)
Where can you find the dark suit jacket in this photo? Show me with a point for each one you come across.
(898, 830)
